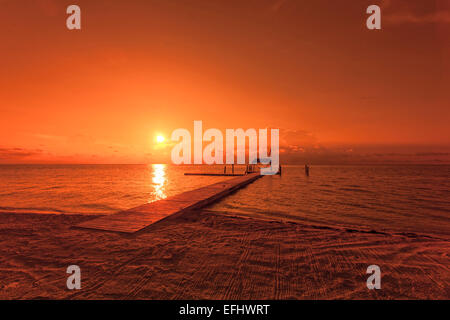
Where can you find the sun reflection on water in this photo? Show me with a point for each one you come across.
(158, 182)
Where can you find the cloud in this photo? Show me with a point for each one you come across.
(48, 137)
(408, 17)
(415, 12)
(276, 6)
(432, 154)
(365, 154)
(301, 146)
(296, 140)
(18, 154)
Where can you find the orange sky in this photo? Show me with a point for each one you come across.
(337, 91)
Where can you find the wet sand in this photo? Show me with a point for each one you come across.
(210, 255)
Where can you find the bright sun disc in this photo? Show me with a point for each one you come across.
(160, 139)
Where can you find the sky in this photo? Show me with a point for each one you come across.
(338, 92)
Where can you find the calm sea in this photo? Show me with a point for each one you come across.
(384, 198)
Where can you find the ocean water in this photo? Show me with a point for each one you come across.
(93, 189)
(412, 198)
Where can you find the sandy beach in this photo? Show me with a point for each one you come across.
(210, 255)
(225, 150)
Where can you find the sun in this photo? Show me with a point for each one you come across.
(160, 139)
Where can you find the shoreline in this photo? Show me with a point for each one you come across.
(208, 255)
(264, 217)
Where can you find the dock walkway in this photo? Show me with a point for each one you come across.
(214, 174)
(138, 218)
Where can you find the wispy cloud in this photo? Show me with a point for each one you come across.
(408, 17)
(415, 12)
(301, 146)
(276, 6)
(17, 154)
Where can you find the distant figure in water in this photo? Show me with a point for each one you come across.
(307, 170)
(224, 169)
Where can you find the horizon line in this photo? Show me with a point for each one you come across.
(223, 164)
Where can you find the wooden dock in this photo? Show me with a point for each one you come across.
(214, 174)
(138, 218)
